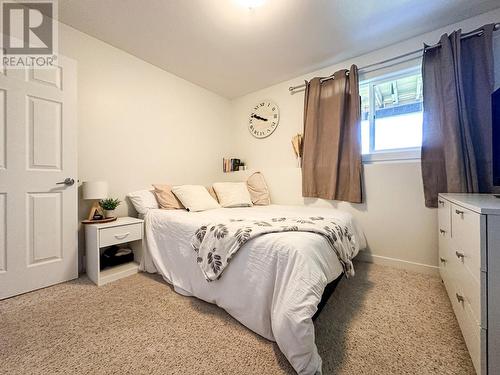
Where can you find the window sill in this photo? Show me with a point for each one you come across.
(396, 155)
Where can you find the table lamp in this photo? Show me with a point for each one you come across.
(95, 190)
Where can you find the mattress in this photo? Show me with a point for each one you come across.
(273, 284)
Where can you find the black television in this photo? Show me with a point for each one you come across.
(495, 101)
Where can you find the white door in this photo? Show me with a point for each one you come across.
(38, 150)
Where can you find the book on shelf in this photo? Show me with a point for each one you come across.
(231, 164)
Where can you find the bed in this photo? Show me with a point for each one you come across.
(274, 283)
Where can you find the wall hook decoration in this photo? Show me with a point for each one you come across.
(297, 148)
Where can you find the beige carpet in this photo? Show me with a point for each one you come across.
(384, 321)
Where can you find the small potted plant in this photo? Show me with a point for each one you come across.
(109, 205)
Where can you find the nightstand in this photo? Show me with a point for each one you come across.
(125, 230)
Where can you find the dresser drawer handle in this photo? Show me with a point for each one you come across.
(459, 297)
(121, 236)
(442, 260)
(442, 231)
(441, 202)
(460, 255)
(459, 212)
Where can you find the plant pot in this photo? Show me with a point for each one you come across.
(109, 213)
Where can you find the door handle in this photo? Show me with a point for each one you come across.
(459, 255)
(67, 181)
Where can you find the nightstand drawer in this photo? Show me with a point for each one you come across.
(121, 234)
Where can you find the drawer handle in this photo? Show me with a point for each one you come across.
(459, 297)
(121, 236)
(460, 255)
(459, 212)
(442, 231)
(441, 202)
(442, 260)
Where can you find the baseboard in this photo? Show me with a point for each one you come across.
(365, 256)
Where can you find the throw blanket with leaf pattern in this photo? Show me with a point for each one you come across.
(216, 243)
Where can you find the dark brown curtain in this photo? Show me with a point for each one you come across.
(458, 80)
(331, 161)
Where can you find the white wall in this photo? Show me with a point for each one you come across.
(138, 124)
(399, 229)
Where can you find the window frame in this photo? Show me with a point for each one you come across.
(408, 153)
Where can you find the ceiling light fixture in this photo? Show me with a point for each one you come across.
(250, 4)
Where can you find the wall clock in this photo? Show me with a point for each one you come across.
(264, 119)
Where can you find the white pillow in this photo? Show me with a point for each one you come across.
(143, 200)
(195, 197)
(233, 194)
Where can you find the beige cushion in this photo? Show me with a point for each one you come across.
(195, 197)
(166, 199)
(211, 191)
(233, 194)
(258, 190)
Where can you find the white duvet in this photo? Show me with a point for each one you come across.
(273, 284)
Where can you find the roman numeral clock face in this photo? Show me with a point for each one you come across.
(264, 119)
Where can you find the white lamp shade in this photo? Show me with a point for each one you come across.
(95, 189)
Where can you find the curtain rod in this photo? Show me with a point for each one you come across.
(421, 50)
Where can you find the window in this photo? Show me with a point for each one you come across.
(391, 116)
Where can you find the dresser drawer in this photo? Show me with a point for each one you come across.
(444, 233)
(469, 288)
(121, 234)
(444, 251)
(444, 216)
(467, 239)
(472, 333)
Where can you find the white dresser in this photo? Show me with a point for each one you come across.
(469, 264)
